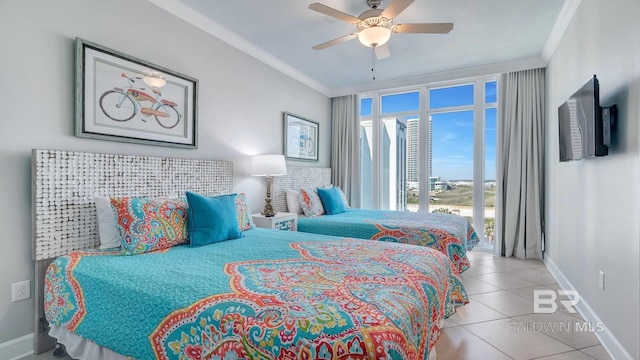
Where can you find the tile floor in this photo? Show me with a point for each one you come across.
(499, 322)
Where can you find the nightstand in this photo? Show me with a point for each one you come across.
(281, 221)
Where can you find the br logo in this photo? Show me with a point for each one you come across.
(545, 301)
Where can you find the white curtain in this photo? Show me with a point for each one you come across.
(345, 147)
(520, 179)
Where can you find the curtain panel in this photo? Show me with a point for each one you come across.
(345, 147)
(520, 168)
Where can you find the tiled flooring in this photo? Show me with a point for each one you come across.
(499, 322)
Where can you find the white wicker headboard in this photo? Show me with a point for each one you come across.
(298, 177)
(64, 183)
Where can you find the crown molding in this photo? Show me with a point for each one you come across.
(564, 18)
(194, 18)
(442, 76)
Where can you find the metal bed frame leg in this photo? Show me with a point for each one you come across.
(60, 351)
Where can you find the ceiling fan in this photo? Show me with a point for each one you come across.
(376, 25)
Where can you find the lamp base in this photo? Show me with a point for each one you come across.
(268, 210)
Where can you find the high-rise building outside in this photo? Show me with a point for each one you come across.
(394, 161)
(412, 150)
(429, 147)
(413, 136)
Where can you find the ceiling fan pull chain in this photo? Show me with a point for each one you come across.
(373, 62)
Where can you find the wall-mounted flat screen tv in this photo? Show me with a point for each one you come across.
(580, 124)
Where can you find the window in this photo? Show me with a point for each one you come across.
(365, 107)
(399, 103)
(388, 146)
(366, 151)
(490, 145)
(452, 96)
(432, 149)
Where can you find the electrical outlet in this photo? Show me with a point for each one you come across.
(601, 279)
(20, 290)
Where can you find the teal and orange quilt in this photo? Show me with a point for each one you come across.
(451, 234)
(269, 295)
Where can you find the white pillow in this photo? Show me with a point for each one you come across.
(107, 223)
(293, 201)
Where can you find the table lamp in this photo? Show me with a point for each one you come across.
(269, 166)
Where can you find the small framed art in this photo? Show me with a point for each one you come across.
(123, 98)
(300, 138)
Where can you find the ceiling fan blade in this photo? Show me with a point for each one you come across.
(329, 11)
(335, 41)
(382, 51)
(395, 8)
(427, 28)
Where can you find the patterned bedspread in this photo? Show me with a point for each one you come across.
(450, 234)
(269, 295)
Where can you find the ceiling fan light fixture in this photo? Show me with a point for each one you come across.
(374, 36)
(155, 80)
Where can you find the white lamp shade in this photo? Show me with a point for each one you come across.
(268, 165)
(155, 81)
(374, 36)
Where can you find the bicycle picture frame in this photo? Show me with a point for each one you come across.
(119, 98)
(300, 138)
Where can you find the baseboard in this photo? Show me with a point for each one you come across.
(17, 348)
(611, 345)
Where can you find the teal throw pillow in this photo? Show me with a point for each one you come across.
(212, 219)
(332, 200)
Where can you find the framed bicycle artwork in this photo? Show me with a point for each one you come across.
(300, 138)
(123, 98)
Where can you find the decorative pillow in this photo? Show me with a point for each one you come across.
(107, 226)
(212, 219)
(344, 198)
(331, 200)
(150, 224)
(293, 201)
(310, 202)
(244, 213)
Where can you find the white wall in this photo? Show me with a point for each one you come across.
(592, 206)
(241, 101)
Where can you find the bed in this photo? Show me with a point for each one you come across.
(270, 294)
(451, 234)
(267, 294)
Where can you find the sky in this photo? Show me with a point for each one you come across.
(452, 132)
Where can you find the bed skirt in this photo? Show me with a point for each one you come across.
(80, 348)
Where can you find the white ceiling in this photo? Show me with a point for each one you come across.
(282, 32)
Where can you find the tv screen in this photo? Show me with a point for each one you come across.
(580, 124)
